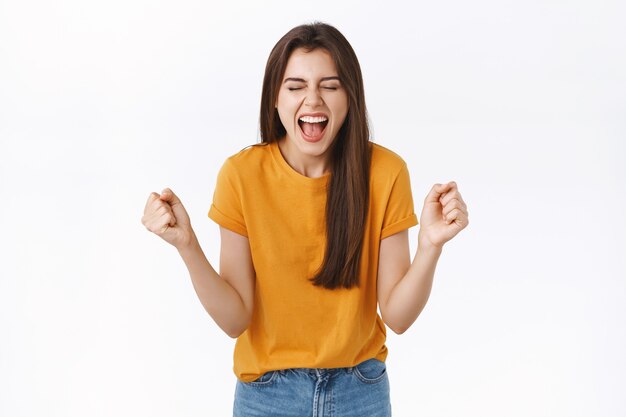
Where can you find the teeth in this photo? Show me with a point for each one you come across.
(310, 119)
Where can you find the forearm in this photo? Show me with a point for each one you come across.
(409, 296)
(217, 296)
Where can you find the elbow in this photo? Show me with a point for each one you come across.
(234, 333)
(398, 330)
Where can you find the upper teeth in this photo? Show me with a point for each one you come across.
(311, 119)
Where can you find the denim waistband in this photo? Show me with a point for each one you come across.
(318, 371)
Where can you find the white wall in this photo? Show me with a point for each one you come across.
(523, 104)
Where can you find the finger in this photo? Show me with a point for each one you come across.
(151, 198)
(452, 215)
(464, 221)
(458, 217)
(165, 226)
(170, 220)
(461, 221)
(451, 193)
(452, 205)
(159, 207)
(160, 223)
(166, 212)
(157, 216)
(149, 212)
(169, 196)
(436, 192)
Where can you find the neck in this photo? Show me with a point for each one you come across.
(308, 165)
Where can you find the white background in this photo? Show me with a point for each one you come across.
(522, 103)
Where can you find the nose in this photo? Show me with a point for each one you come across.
(313, 98)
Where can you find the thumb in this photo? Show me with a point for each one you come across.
(180, 214)
(169, 196)
(436, 191)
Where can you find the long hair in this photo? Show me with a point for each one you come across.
(348, 191)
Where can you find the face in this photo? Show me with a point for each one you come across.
(312, 104)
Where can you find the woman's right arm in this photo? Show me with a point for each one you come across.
(227, 296)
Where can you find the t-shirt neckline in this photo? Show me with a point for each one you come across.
(303, 180)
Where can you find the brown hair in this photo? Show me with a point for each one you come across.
(348, 192)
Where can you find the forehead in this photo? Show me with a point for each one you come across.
(312, 64)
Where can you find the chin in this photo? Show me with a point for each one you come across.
(313, 148)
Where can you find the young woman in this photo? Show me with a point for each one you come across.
(313, 223)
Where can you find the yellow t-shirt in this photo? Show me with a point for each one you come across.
(282, 213)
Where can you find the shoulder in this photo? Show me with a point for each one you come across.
(385, 162)
(248, 159)
(250, 153)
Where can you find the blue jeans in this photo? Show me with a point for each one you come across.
(357, 391)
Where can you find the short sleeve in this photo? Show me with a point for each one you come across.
(226, 209)
(399, 214)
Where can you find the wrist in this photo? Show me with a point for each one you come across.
(189, 244)
(425, 245)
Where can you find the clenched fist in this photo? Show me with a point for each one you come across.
(444, 215)
(165, 216)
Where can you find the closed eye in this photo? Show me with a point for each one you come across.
(300, 88)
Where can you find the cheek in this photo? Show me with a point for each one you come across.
(339, 105)
(283, 118)
(286, 117)
(287, 106)
(341, 110)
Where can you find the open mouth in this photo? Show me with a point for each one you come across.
(312, 128)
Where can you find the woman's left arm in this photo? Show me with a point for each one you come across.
(404, 287)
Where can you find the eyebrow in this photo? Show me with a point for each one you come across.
(301, 80)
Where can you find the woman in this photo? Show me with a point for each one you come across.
(313, 224)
